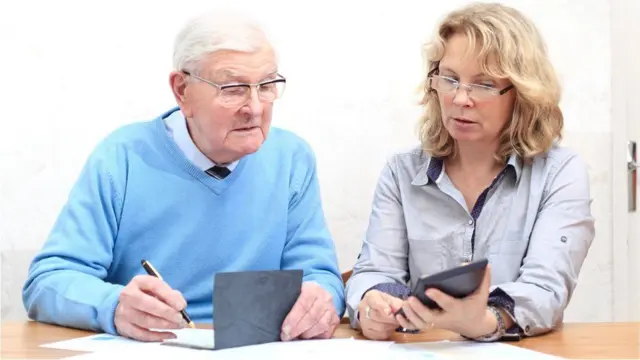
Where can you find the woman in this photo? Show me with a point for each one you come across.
(488, 181)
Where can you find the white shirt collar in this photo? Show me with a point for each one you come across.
(177, 128)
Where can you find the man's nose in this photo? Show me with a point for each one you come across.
(255, 106)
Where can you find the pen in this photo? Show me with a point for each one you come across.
(152, 271)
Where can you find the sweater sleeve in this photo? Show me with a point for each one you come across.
(65, 284)
(309, 245)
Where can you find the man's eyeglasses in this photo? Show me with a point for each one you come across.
(232, 95)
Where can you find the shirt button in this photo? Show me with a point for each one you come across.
(563, 239)
(471, 222)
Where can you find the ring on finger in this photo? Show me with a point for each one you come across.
(366, 312)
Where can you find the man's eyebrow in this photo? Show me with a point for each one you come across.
(272, 74)
(227, 75)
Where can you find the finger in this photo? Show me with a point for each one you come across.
(145, 303)
(413, 310)
(299, 309)
(394, 302)
(135, 332)
(298, 320)
(370, 323)
(446, 302)
(377, 326)
(326, 335)
(379, 317)
(382, 307)
(486, 281)
(309, 319)
(379, 302)
(147, 321)
(383, 334)
(402, 320)
(160, 289)
(329, 333)
(324, 323)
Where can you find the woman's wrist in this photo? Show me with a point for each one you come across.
(487, 326)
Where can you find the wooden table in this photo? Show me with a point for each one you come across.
(577, 341)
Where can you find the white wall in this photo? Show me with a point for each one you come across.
(352, 67)
(626, 126)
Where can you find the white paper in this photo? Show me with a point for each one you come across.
(107, 347)
(99, 343)
(468, 350)
(327, 346)
(194, 338)
(302, 349)
(308, 350)
(153, 352)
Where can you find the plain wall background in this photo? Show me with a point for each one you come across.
(74, 71)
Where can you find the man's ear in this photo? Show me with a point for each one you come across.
(178, 83)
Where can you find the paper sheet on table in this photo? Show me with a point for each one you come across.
(306, 349)
(99, 343)
(196, 344)
(195, 338)
(468, 350)
(324, 346)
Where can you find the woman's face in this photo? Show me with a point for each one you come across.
(474, 113)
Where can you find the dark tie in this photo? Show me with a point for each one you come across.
(218, 172)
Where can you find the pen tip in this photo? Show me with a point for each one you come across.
(192, 325)
(143, 261)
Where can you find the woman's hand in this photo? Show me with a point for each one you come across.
(376, 315)
(468, 317)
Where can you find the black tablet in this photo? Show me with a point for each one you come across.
(458, 282)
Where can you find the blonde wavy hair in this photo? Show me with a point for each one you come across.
(509, 46)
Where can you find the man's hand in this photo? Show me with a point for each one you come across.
(375, 313)
(313, 316)
(148, 303)
(468, 316)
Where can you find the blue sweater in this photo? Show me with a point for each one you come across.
(138, 197)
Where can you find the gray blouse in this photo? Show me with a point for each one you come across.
(533, 224)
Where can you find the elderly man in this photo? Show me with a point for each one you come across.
(206, 187)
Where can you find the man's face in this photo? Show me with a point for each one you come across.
(226, 125)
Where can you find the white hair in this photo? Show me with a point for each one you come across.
(215, 31)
